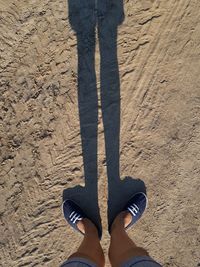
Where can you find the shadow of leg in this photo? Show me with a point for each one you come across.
(110, 15)
(108, 19)
(83, 20)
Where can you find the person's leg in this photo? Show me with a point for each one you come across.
(122, 248)
(90, 247)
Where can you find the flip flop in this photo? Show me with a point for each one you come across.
(73, 214)
(136, 206)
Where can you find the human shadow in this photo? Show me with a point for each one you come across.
(84, 16)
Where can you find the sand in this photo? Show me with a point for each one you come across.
(158, 46)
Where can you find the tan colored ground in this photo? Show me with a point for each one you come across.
(159, 61)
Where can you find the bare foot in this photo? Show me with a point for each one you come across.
(127, 218)
(122, 220)
(86, 225)
(81, 226)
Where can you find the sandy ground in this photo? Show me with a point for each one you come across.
(40, 143)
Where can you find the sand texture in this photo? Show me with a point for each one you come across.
(144, 101)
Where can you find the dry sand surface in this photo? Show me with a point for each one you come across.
(40, 142)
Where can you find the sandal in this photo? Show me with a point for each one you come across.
(136, 207)
(73, 214)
